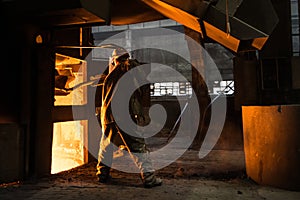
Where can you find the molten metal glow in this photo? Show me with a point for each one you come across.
(70, 138)
(68, 145)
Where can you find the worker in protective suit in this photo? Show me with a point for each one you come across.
(112, 134)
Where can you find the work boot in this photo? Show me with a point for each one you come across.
(103, 178)
(103, 174)
(150, 180)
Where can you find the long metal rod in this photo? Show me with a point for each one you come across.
(179, 117)
(126, 146)
(107, 46)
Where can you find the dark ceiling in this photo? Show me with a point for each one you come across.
(237, 25)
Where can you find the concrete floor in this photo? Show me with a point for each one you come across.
(220, 175)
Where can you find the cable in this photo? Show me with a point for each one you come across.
(227, 20)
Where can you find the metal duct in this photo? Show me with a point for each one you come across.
(237, 24)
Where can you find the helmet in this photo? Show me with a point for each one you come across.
(120, 54)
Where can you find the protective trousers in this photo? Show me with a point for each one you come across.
(110, 139)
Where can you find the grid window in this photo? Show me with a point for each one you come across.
(170, 89)
(224, 87)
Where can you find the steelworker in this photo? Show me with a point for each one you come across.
(112, 134)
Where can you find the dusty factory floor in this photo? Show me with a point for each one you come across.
(220, 175)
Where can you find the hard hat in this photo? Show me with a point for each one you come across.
(120, 54)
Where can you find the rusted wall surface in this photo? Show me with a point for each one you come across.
(271, 144)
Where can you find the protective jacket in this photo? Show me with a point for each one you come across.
(109, 84)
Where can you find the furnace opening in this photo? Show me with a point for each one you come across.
(69, 136)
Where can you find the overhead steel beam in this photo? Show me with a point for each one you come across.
(237, 24)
